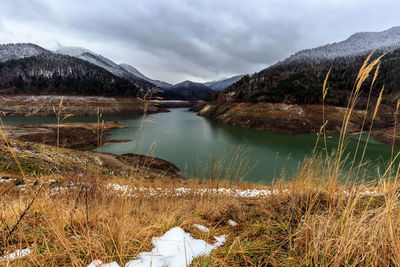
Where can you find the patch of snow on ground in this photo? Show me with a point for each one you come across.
(201, 228)
(95, 263)
(2, 180)
(232, 223)
(175, 248)
(129, 191)
(19, 253)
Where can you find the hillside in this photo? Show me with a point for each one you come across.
(186, 90)
(181, 91)
(134, 71)
(222, 84)
(21, 50)
(29, 69)
(358, 44)
(106, 64)
(299, 78)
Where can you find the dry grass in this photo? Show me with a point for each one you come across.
(305, 225)
(316, 219)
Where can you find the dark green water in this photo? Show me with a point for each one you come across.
(188, 141)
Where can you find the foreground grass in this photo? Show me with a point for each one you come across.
(305, 222)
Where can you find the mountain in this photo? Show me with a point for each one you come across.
(31, 69)
(299, 78)
(183, 91)
(106, 64)
(186, 90)
(134, 71)
(224, 83)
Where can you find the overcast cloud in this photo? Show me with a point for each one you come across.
(200, 40)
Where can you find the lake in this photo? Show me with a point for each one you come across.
(193, 143)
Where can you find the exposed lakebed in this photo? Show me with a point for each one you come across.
(192, 142)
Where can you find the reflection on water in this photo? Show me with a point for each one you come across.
(188, 140)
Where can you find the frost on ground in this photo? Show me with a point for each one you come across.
(175, 248)
(19, 253)
(132, 191)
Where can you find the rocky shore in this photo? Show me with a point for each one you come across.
(289, 119)
(42, 105)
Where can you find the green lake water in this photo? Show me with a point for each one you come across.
(192, 142)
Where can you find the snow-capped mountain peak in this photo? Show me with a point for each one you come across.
(73, 51)
(105, 63)
(21, 50)
(357, 44)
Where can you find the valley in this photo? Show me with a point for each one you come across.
(296, 164)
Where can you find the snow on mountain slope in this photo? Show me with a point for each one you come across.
(93, 58)
(221, 84)
(107, 64)
(357, 44)
(17, 51)
(134, 71)
(137, 73)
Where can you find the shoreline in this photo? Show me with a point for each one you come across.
(289, 118)
(46, 105)
(74, 135)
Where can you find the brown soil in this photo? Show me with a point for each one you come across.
(144, 166)
(36, 159)
(82, 136)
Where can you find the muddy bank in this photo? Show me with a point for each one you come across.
(141, 166)
(82, 136)
(40, 159)
(28, 105)
(289, 119)
(388, 135)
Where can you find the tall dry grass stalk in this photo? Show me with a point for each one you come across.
(366, 68)
(61, 117)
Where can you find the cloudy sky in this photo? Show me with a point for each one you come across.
(200, 40)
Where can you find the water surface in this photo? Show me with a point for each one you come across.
(192, 142)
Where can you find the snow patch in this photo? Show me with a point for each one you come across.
(175, 248)
(232, 223)
(201, 228)
(19, 253)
